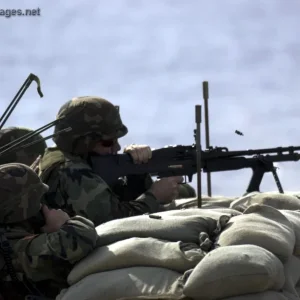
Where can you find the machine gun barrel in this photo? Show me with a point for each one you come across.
(224, 152)
(260, 165)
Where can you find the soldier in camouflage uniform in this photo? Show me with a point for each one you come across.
(45, 243)
(75, 187)
(25, 156)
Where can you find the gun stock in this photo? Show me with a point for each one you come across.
(165, 162)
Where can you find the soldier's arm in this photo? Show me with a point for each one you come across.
(38, 254)
(138, 184)
(89, 196)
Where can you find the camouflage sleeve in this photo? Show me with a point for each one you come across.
(42, 255)
(140, 183)
(88, 195)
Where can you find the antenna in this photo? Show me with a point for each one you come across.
(205, 97)
(31, 77)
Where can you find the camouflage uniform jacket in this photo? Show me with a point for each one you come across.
(47, 258)
(74, 187)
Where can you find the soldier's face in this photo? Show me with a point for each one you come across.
(107, 147)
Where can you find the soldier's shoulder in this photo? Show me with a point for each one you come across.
(68, 165)
(76, 163)
(76, 167)
(51, 158)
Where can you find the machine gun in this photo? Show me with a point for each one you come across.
(182, 161)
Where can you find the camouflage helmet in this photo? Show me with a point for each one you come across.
(92, 119)
(26, 155)
(20, 193)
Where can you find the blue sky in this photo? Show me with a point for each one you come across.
(150, 57)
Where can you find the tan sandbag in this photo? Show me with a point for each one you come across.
(220, 201)
(278, 201)
(184, 203)
(225, 202)
(292, 275)
(224, 210)
(169, 228)
(211, 213)
(269, 295)
(234, 270)
(133, 252)
(241, 203)
(294, 217)
(263, 226)
(292, 193)
(129, 283)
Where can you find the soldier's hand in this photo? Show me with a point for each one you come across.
(166, 190)
(139, 153)
(54, 219)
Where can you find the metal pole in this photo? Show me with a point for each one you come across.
(198, 150)
(205, 97)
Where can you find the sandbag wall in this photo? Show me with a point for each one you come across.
(244, 248)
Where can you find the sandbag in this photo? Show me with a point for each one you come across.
(234, 270)
(224, 202)
(294, 217)
(169, 228)
(183, 203)
(133, 252)
(278, 201)
(128, 283)
(263, 226)
(215, 213)
(292, 193)
(224, 210)
(269, 295)
(219, 201)
(292, 275)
